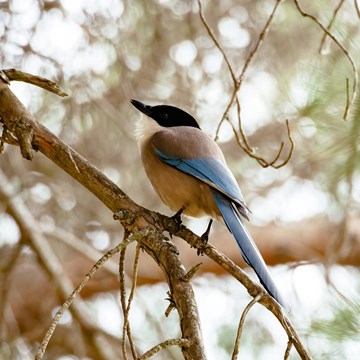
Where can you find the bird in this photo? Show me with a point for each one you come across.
(188, 171)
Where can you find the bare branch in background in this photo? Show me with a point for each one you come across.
(237, 83)
(216, 42)
(69, 301)
(5, 276)
(46, 84)
(145, 227)
(241, 325)
(263, 162)
(164, 345)
(342, 48)
(332, 20)
(126, 331)
(357, 8)
(347, 106)
(288, 349)
(180, 53)
(51, 263)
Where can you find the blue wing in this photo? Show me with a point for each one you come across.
(211, 171)
(230, 202)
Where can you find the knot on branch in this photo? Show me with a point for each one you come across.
(124, 216)
(189, 275)
(4, 77)
(16, 119)
(25, 135)
(170, 224)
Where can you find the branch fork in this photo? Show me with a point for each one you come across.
(141, 224)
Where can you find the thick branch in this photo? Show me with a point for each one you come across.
(136, 218)
(51, 263)
(16, 117)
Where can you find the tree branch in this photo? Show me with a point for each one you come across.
(241, 138)
(241, 325)
(135, 220)
(52, 265)
(18, 120)
(17, 75)
(342, 48)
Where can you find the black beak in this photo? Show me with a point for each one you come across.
(146, 109)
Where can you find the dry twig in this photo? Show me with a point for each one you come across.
(123, 298)
(288, 349)
(357, 8)
(237, 83)
(342, 48)
(164, 345)
(5, 277)
(241, 325)
(126, 307)
(17, 75)
(46, 255)
(145, 226)
(323, 39)
(131, 296)
(41, 351)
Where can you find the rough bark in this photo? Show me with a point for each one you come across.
(32, 135)
(36, 136)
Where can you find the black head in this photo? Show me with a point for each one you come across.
(165, 115)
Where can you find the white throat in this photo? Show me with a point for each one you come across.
(145, 128)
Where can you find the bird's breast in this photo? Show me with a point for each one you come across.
(176, 189)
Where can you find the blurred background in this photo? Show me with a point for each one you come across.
(305, 215)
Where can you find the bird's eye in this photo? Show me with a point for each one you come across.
(164, 116)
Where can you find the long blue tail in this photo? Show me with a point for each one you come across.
(248, 248)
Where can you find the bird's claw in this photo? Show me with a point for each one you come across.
(204, 239)
(177, 218)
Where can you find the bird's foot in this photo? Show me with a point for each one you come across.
(171, 306)
(205, 238)
(177, 218)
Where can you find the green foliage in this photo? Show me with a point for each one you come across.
(342, 325)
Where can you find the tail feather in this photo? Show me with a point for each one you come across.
(247, 246)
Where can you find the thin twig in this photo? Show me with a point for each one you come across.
(126, 308)
(6, 272)
(248, 61)
(330, 24)
(71, 298)
(115, 199)
(82, 247)
(17, 75)
(131, 296)
(243, 143)
(123, 297)
(347, 99)
(292, 145)
(288, 349)
(164, 345)
(247, 64)
(32, 233)
(262, 161)
(213, 37)
(357, 8)
(241, 325)
(246, 145)
(347, 54)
